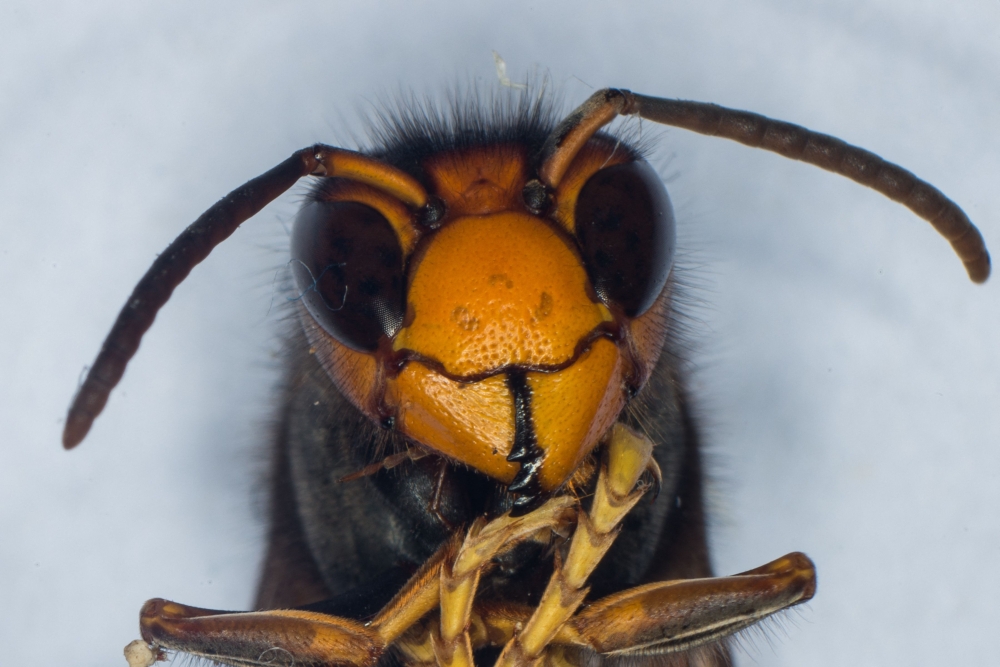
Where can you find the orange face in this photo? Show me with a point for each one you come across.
(504, 352)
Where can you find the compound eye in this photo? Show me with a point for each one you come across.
(625, 226)
(348, 269)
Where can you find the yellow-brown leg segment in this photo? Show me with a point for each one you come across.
(665, 617)
(300, 637)
(308, 638)
(460, 576)
(260, 638)
(680, 615)
(627, 455)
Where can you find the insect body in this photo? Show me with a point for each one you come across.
(484, 387)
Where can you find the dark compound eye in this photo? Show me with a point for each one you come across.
(625, 225)
(348, 269)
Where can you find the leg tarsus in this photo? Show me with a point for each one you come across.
(626, 458)
(460, 576)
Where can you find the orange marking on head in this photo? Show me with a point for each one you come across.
(496, 287)
(471, 422)
(479, 181)
(498, 290)
(573, 408)
(357, 375)
(648, 334)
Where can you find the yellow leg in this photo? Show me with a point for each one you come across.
(460, 577)
(626, 457)
(418, 597)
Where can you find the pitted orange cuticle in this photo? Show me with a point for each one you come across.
(573, 408)
(498, 290)
(472, 422)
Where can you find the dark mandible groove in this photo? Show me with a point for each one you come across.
(525, 449)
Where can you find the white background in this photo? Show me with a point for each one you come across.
(847, 370)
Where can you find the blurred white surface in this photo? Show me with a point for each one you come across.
(847, 370)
